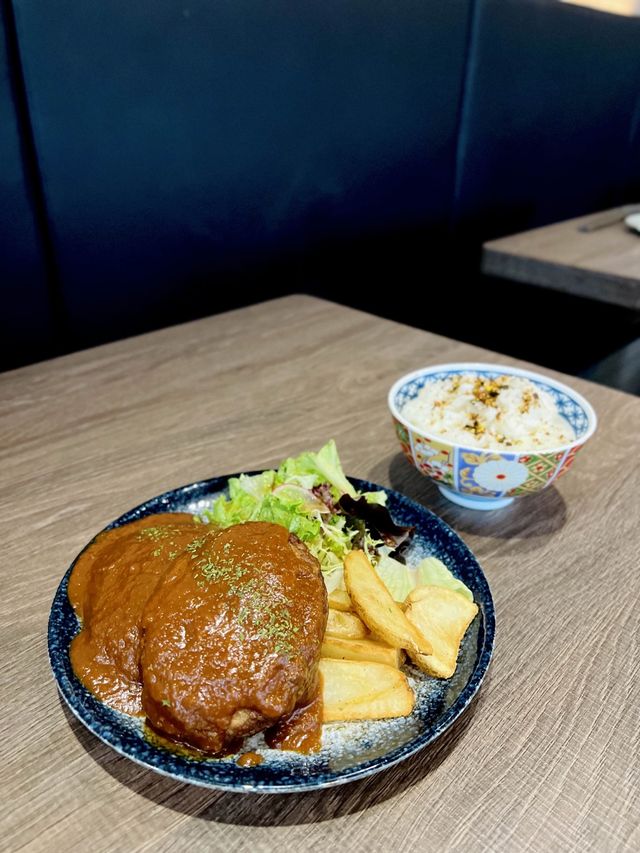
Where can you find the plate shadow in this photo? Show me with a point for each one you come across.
(246, 809)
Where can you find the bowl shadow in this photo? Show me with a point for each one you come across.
(546, 511)
(247, 809)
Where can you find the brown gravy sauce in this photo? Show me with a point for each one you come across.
(112, 582)
(249, 759)
(301, 732)
(109, 587)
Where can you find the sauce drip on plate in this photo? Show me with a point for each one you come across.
(249, 759)
(302, 731)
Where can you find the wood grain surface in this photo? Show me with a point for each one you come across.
(547, 757)
(603, 264)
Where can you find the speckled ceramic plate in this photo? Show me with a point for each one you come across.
(350, 750)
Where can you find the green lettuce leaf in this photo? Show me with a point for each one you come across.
(289, 497)
(378, 497)
(397, 578)
(285, 497)
(400, 579)
(322, 467)
(288, 515)
(232, 511)
(258, 486)
(433, 572)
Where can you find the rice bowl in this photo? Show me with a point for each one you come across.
(451, 432)
(510, 411)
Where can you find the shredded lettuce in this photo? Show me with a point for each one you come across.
(317, 468)
(301, 495)
(304, 495)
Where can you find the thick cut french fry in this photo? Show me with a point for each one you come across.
(363, 690)
(340, 649)
(339, 600)
(346, 625)
(374, 605)
(443, 616)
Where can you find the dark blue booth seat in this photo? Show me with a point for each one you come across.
(26, 326)
(634, 154)
(184, 143)
(199, 154)
(546, 134)
(546, 131)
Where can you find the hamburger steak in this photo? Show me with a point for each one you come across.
(109, 587)
(232, 636)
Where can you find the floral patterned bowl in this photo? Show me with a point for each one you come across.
(480, 478)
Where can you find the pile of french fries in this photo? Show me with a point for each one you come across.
(368, 635)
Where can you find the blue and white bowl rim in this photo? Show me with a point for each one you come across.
(453, 368)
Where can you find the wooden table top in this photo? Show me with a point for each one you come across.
(547, 756)
(603, 264)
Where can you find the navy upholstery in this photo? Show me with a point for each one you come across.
(26, 325)
(633, 169)
(192, 156)
(182, 142)
(546, 127)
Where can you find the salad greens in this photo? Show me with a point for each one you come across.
(310, 495)
(301, 495)
(400, 580)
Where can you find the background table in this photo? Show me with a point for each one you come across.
(603, 264)
(546, 758)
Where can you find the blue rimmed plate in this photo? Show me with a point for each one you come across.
(350, 750)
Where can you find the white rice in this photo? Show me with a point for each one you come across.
(508, 411)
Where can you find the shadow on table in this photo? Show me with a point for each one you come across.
(272, 809)
(529, 517)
